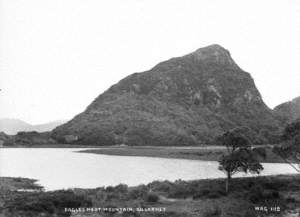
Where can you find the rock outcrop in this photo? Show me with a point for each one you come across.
(187, 100)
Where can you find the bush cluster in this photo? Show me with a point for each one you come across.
(30, 204)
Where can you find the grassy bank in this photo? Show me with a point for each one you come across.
(180, 198)
(14, 184)
(207, 153)
(50, 146)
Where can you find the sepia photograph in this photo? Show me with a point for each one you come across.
(147, 108)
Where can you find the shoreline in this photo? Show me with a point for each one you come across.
(203, 153)
(189, 153)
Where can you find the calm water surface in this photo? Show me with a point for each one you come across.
(58, 168)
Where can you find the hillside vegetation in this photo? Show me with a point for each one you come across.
(187, 100)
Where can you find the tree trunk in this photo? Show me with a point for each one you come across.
(227, 182)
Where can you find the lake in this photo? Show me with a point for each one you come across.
(61, 168)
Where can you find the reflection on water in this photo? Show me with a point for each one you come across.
(58, 168)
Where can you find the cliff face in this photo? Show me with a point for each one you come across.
(289, 111)
(187, 100)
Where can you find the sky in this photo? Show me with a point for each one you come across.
(57, 56)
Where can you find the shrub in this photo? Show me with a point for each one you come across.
(294, 186)
(257, 193)
(290, 200)
(152, 198)
(250, 213)
(47, 202)
(161, 186)
(215, 194)
(138, 192)
(201, 194)
(213, 211)
(109, 189)
(274, 185)
(182, 189)
(270, 194)
(121, 188)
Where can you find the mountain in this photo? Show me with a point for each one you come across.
(289, 110)
(13, 126)
(186, 100)
(47, 126)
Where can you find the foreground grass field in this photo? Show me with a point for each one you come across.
(249, 197)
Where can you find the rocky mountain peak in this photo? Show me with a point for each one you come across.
(213, 54)
(212, 49)
(186, 100)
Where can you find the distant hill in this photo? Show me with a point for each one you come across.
(186, 100)
(47, 126)
(289, 110)
(13, 126)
